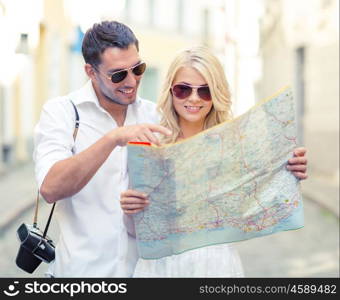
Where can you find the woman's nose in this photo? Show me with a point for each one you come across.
(194, 96)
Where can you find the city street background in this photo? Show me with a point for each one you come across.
(263, 46)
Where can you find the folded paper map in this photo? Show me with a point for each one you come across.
(228, 183)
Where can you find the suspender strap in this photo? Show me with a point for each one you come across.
(76, 125)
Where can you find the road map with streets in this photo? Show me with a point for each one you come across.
(228, 183)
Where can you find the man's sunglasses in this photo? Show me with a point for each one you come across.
(182, 91)
(120, 75)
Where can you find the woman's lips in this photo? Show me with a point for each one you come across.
(193, 109)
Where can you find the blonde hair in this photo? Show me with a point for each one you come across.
(204, 62)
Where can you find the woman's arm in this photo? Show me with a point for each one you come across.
(129, 224)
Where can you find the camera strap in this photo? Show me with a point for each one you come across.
(35, 219)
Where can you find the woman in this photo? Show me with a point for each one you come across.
(195, 97)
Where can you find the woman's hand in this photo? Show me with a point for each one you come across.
(133, 202)
(298, 164)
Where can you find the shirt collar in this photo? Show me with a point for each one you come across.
(85, 94)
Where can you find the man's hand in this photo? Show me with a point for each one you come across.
(298, 164)
(138, 133)
(67, 177)
(133, 202)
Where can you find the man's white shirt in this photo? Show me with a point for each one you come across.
(93, 241)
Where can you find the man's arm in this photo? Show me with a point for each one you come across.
(67, 177)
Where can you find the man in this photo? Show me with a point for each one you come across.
(89, 174)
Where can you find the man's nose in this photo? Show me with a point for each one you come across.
(131, 79)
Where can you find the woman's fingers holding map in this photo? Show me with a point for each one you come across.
(132, 201)
(298, 164)
(300, 151)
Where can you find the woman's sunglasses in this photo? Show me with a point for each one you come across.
(182, 91)
(120, 75)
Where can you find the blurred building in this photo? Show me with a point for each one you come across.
(164, 28)
(300, 47)
(20, 37)
(35, 59)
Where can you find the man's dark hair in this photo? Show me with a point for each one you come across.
(105, 35)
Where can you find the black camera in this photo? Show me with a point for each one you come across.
(34, 248)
